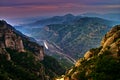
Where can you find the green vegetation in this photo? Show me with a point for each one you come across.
(22, 60)
(52, 64)
(23, 66)
(74, 38)
(106, 68)
(103, 67)
(63, 61)
(101, 63)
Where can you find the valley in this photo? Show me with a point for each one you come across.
(68, 37)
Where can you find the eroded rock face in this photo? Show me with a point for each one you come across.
(9, 38)
(14, 42)
(110, 34)
(111, 41)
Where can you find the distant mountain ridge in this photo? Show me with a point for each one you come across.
(108, 16)
(53, 20)
(68, 18)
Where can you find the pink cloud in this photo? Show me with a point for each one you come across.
(50, 9)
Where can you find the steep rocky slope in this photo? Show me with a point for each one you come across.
(10, 38)
(23, 59)
(101, 63)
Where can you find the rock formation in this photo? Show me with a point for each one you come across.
(10, 38)
(111, 41)
(101, 63)
(21, 58)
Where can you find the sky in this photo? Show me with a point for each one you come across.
(30, 8)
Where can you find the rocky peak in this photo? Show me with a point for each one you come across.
(13, 39)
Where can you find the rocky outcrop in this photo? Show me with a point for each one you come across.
(110, 34)
(36, 49)
(99, 63)
(13, 41)
(88, 55)
(111, 41)
(10, 38)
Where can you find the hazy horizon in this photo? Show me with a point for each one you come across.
(22, 8)
(12, 9)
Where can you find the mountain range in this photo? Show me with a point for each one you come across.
(22, 58)
(52, 20)
(68, 37)
(75, 36)
(34, 19)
